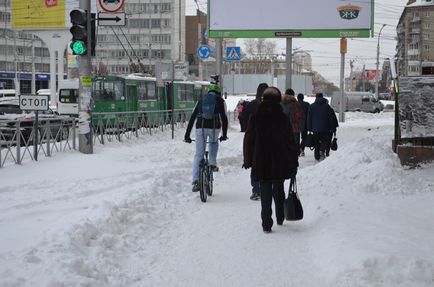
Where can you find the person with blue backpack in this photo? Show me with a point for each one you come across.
(210, 116)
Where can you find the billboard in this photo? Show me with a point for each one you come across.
(31, 14)
(416, 106)
(290, 18)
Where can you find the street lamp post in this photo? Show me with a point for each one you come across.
(378, 61)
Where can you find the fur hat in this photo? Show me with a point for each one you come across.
(272, 94)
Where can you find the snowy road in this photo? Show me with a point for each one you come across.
(125, 216)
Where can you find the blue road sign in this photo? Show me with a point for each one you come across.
(233, 53)
(204, 52)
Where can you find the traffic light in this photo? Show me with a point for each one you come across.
(79, 32)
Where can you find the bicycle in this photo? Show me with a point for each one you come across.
(206, 177)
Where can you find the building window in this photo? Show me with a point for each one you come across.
(426, 47)
(427, 25)
(427, 14)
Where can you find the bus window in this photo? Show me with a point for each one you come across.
(186, 92)
(69, 96)
(109, 90)
(151, 91)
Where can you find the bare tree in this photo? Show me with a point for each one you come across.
(260, 48)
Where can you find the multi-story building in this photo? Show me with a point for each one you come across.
(415, 40)
(18, 50)
(154, 32)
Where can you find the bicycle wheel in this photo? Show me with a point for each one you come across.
(210, 181)
(203, 183)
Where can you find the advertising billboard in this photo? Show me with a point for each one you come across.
(416, 106)
(30, 14)
(290, 18)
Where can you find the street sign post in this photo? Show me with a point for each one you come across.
(111, 19)
(34, 103)
(233, 53)
(204, 52)
(111, 6)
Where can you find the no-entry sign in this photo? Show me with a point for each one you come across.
(111, 6)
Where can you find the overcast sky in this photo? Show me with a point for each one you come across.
(325, 52)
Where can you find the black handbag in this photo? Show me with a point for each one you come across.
(334, 144)
(293, 207)
(310, 141)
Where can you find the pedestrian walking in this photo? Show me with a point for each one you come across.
(251, 109)
(305, 107)
(318, 122)
(333, 127)
(269, 149)
(294, 111)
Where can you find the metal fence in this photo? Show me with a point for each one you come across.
(19, 140)
(59, 135)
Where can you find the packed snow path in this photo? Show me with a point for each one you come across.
(125, 216)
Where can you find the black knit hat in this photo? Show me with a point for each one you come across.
(260, 90)
(290, 92)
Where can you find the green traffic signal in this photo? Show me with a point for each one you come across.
(78, 47)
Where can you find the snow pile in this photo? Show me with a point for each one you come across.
(126, 216)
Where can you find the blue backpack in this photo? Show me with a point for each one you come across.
(208, 105)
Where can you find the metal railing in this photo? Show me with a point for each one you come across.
(59, 135)
(108, 127)
(17, 138)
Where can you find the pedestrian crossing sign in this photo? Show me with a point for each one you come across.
(233, 53)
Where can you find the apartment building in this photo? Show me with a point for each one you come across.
(415, 38)
(18, 50)
(154, 32)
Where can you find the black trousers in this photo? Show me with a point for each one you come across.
(272, 190)
(322, 144)
(303, 140)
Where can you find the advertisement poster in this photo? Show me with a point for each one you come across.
(416, 106)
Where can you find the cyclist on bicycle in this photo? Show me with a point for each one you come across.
(210, 116)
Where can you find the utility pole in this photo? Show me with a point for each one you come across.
(351, 75)
(363, 79)
(85, 138)
(378, 61)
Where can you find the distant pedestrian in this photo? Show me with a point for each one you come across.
(251, 109)
(269, 149)
(305, 107)
(294, 111)
(318, 122)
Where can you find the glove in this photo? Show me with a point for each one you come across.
(244, 166)
(293, 172)
(187, 139)
(223, 138)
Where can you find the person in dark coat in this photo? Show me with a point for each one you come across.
(318, 122)
(293, 110)
(305, 107)
(333, 127)
(251, 109)
(269, 149)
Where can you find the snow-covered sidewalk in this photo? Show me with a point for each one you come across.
(125, 216)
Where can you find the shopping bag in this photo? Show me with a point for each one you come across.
(334, 144)
(293, 207)
(310, 141)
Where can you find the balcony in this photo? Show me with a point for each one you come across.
(413, 52)
(415, 31)
(415, 19)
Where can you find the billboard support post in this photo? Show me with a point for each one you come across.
(219, 60)
(341, 80)
(288, 81)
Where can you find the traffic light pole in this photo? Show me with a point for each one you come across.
(85, 99)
